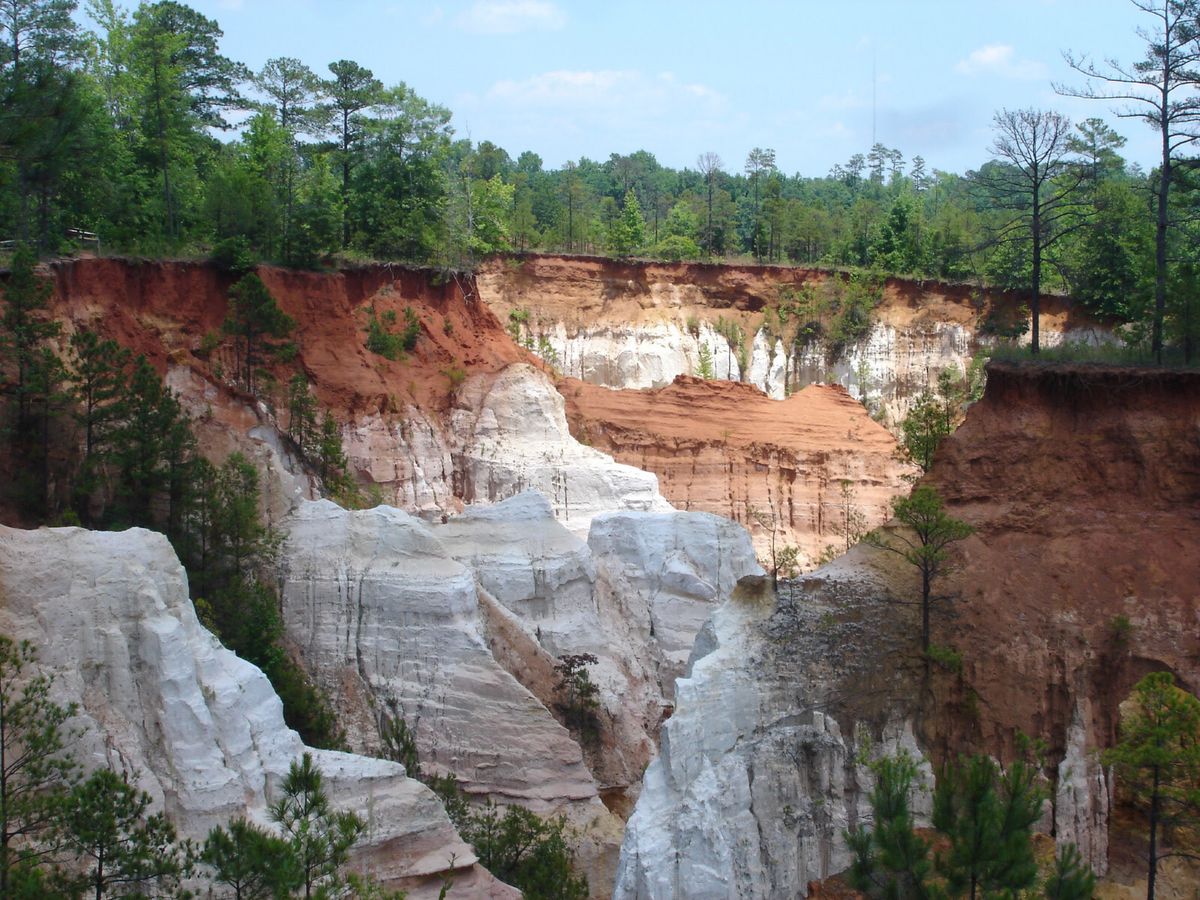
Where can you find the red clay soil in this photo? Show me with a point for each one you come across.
(164, 309)
(722, 447)
(1084, 487)
(597, 289)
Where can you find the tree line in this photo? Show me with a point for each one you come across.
(64, 834)
(93, 437)
(139, 131)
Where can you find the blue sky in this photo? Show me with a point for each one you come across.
(679, 77)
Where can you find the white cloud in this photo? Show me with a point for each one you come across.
(568, 108)
(511, 16)
(603, 89)
(1000, 60)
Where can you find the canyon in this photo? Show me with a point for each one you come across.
(567, 486)
(1056, 468)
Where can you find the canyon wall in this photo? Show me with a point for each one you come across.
(457, 628)
(799, 472)
(469, 415)
(199, 729)
(627, 324)
(1082, 486)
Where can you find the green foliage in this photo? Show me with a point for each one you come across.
(627, 233)
(399, 742)
(945, 657)
(1120, 633)
(34, 382)
(1004, 323)
(256, 322)
(890, 860)
(579, 696)
(302, 413)
(935, 414)
(923, 429)
(546, 351)
(381, 339)
(233, 255)
(676, 247)
(320, 836)
(518, 328)
(1072, 878)
(250, 861)
(988, 816)
(36, 771)
(984, 816)
(1157, 761)
(928, 550)
(456, 375)
(704, 363)
(105, 821)
(524, 850)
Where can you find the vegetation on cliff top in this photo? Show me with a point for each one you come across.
(112, 141)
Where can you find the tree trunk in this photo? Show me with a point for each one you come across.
(1035, 311)
(345, 179)
(1153, 865)
(1160, 247)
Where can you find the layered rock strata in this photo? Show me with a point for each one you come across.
(1081, 484)
(458, 627)
(198, 728)
(624, 324)
(796, 472)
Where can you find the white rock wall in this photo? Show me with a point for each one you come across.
(890, 366)
(754, 784)
(388, 609)
(510, 434)
(198, 728)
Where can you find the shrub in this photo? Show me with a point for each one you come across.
(579, 696)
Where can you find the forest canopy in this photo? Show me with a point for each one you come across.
(131, 130)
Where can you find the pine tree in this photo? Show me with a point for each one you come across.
(302, 413)
(988, 816)
(1071, 879)
(923, 429)
(105, 822)
(35, 770)
(254, 319)
(24, 328)
(627, 233)
(928, 549)
(98, 378)
(1157, 761)
(140, 441)
(890, 860)
(251, 862)
(320, 836)
(105, 819)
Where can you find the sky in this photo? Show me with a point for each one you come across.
(815, 81)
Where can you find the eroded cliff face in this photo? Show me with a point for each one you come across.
(642, 324)
(794, 472)
(764, 764)
(457, 628)
(1083, 487)
(198, 728)
(469, 416)
(458, 613)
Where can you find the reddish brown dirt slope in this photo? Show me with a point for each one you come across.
(164, 309)
(1084, 486)
(724, 447)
